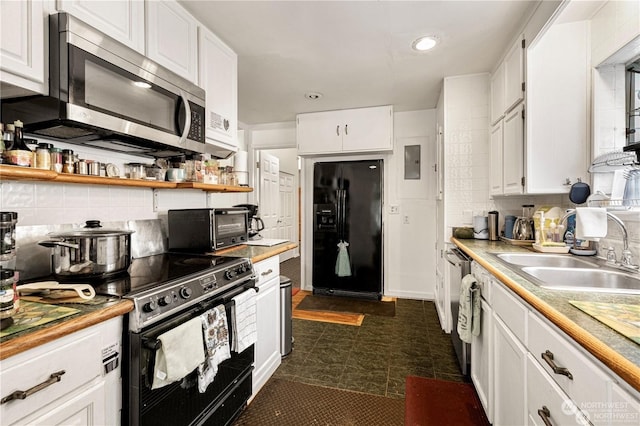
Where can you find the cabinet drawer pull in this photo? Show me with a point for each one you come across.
(346, 129)
(54, 378)
(338, 130)
(548, 357)
(544, 414)
(267, 272)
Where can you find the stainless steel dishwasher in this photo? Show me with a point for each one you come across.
(459, 266)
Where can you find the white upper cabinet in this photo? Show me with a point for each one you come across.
(120, 20)
(558, 108)
(513, 152)
(497, 94)
(172, 38)
(218, 70)
(514, 75)
(496, 159)
(22, 44)
(345, 131)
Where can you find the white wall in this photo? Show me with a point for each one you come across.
(412, 232)
(466, 148)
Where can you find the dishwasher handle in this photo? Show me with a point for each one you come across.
(453, 257)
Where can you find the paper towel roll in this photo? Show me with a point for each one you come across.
(240, 161)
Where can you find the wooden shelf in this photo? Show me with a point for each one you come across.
(25, 173)
(213, 188)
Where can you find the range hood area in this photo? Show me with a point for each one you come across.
(105, 95)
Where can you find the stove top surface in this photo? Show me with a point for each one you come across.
(154, 271)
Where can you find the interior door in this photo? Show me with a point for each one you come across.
(286, 210)
(269, 194)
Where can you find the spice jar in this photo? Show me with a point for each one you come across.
(8, 296)
(43, 156)
(56, 160)
(68, 160)
(82, 167)
(7, 235)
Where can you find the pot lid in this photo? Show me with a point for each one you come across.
(91, 229)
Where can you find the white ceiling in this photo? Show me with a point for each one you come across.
(356, 53)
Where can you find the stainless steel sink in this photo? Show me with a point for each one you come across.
(584, 279)
(542, 259)
(567, 272)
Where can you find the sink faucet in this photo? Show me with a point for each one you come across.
(627, 256)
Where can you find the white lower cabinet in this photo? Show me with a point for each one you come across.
(85, 394)
(267, 348)
(527, 371)
(481, 363)
(509, 361)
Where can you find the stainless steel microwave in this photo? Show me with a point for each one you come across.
(106, 95)
(207, 230)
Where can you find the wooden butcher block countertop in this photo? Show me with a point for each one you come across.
(620, 354)
(256, 253)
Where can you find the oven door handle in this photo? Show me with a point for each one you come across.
(230, 296)
(153, 344)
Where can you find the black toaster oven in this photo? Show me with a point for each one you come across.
(207, 230)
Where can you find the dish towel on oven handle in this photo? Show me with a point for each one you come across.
(216, 345)
(469, 312)
(243, 315)
(180, 353)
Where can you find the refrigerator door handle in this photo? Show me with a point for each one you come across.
(338, 214)
(343, 208)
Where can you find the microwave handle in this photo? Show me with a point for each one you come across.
(187, 118)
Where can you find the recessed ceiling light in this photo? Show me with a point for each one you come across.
(424, 43)
(142, 84)
(313, 95)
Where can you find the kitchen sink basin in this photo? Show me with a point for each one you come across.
(584, 279)
(546, 260)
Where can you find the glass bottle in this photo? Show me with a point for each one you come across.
(68, 160)
(56, 160)
(20, 154)
(8, 136)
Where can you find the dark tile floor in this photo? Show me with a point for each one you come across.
(375, 357)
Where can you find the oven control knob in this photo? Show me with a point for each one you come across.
(165, 300)
(150, 306)
(185, 292)
(228, 274)
(242, 269)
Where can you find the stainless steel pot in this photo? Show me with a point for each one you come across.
(90, 251)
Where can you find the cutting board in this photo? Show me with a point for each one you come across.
(625, 319)
(266, 242)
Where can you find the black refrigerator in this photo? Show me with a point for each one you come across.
(347, 228)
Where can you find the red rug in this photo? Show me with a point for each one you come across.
(438, 402)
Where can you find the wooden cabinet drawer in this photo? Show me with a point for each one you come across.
(546, 399)
(76, 354)
(507, 306)
(587, 383)
(267, 269)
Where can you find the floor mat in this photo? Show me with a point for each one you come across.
(323, 316)
(439, 402)
(347, 305)
(286, 403)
